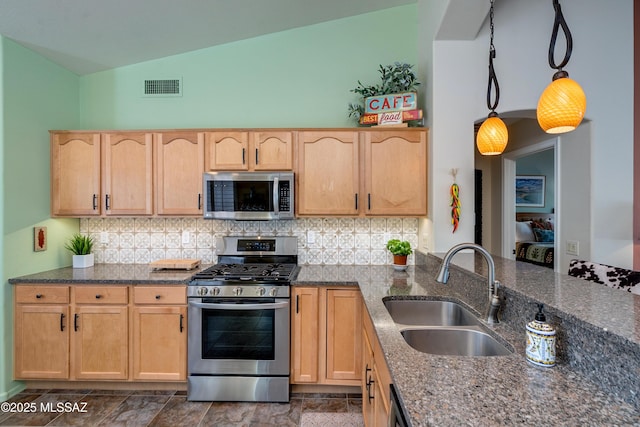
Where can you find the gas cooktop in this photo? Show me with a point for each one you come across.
(248, 272)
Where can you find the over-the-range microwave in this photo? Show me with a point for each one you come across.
(248, 195)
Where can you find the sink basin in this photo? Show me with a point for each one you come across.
(430, 313)
(454, 342)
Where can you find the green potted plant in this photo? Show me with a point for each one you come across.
(80, 246)
(394, 78)
(400, 249)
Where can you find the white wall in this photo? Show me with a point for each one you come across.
(602, 62)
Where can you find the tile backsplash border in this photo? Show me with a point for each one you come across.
(349, 241)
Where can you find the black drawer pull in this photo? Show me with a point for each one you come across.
(157, 296)
(181, 325)
(61, 322)
(98, 296)
(75, 322)
(95, 202)
(38, 296)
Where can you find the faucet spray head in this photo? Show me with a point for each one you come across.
(443, 274)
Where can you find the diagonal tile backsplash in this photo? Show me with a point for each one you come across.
(353, 241)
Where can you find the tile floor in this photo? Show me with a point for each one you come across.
(161, 408)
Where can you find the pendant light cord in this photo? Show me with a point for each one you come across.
(557, 24)
(493, 80)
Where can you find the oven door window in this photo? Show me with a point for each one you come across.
(242, 196)
(238, 334)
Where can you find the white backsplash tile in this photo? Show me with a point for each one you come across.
(349, 241)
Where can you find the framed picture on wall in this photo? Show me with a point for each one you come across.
(530, 191)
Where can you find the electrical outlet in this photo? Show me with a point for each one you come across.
(311, 237)
(573, 247)
(104, 237)
(186, 237)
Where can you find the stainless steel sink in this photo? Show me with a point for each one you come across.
(454, 342)
(430, 313)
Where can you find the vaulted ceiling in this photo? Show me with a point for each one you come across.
(86, 36)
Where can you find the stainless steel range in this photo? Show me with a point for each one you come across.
(239, 321)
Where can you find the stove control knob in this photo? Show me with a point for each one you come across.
(237, 291)
(273, 292)
(215, 291)
(202, 291)
(261, 291)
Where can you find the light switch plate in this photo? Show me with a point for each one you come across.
(311, 237)
(573, 247)
(185, 237)
(104, 237)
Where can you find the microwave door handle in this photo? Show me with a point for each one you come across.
(276, 196)
(266, 306)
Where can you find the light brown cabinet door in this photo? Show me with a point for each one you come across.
(328, 173)
(41, 341)
(271, 151)
(100, 342)
(226, 151)
(368, 392)
(344, 334)
(75, 174)
(396, 172)
(127, 160)
(305, 334)
(160, 343)
(179, 169)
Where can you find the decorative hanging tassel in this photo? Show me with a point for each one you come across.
(455, 201)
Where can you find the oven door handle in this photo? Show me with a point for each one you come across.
(265, 306)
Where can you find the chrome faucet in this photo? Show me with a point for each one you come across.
(494, 300)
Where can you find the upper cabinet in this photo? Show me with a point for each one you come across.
(226, 151)
(179, 167)
(271, 150)
(339, 172)
(75, 174)
(328, 173)
(127, 173)
(366, 172)
(249, 151)
(395, 173)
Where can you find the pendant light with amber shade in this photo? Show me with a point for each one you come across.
(492, 136)
(562, 105)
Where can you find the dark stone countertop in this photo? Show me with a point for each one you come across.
(595, 324)
(506, 390)
(104, 274)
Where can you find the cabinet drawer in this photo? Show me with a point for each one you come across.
(42, 294)
(100, 294)
(159, 295)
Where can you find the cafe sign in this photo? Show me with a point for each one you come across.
(392, 108)
(391, 102)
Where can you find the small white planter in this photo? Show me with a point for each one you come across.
(82, 261)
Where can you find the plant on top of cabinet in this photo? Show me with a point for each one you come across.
(394, 78)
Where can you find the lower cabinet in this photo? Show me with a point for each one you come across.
(41, 338)
(376, 379)
(326, 326)
(94, 332)
(159, 333)
(99, 332)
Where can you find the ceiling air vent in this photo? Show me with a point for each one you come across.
(168, 87)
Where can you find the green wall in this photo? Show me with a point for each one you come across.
(295, 78)
(37, 95)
